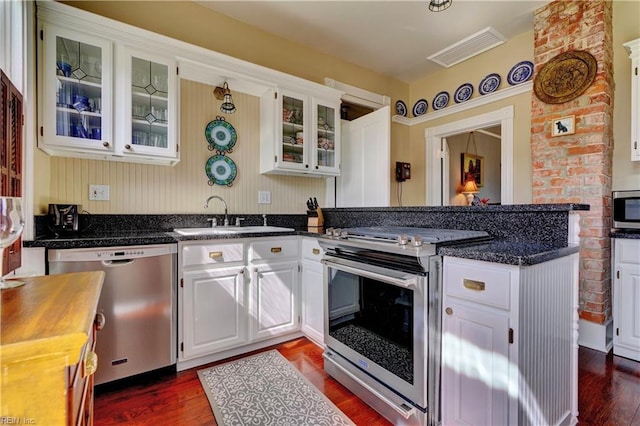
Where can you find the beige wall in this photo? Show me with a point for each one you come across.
(626, 27)
(136, 188)
(141, 188)
(498, 60)
(192, 23)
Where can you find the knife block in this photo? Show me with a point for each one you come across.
(315, 221)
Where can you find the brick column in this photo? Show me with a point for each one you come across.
(577, 168)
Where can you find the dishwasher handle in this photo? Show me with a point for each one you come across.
(117, 262)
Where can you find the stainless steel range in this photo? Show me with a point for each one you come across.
(383, 316)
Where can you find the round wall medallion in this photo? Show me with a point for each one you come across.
(565, 77)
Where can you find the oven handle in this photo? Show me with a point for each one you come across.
(403, 410)
(400, 282)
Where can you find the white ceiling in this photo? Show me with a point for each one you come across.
(391, 37)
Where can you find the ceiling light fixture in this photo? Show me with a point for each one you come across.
(439, 5)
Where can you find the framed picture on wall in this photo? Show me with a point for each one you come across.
(563, 126)
(472, 166)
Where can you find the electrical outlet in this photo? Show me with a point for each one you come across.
(264, 197)
(99, 192)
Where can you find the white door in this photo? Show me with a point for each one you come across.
(365, 171)
(274, 300)
(214, 312)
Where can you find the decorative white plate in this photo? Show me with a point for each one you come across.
(441, 100)
(420, 107)
(463, 93)
(221, 170)
(489, 84)
(521, 72)
(401, 108)
(221, 135)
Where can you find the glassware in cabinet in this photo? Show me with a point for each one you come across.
(326, 132)
(151, 105)
(293, 135)
(76, 90)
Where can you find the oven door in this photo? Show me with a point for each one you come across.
(375, 318)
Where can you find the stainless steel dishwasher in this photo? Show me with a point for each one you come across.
(138, 301)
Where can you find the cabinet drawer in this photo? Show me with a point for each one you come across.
(311, 249)
(274, 249)
(212, 254)
(486, 285)
(627, 251)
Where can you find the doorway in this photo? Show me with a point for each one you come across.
(475, 154)
(438, 185)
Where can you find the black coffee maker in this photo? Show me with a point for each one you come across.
(63, 217)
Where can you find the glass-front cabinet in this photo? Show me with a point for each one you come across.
(150, 108)
(77, 101)
(307, 135)
(105, 99)
(326, 124)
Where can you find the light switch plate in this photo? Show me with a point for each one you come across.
(264, 197)
(99, 192)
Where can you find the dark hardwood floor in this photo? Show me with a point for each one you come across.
(608, 388)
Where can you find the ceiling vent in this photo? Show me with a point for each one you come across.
(471, 46)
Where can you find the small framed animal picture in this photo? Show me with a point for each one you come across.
(563, 126)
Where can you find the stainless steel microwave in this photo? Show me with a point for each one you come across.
(626, 209)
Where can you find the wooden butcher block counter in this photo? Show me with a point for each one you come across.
(47, 337)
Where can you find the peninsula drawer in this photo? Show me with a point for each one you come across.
(211, 254)
(475, 281)
(274, 249)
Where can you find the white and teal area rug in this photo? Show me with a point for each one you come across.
(265, 389)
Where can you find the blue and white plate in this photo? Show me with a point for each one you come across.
(221, 135)
(521, 72)
(401, 108)
(463, 93)
(489, 84)
(420, 107)
(441, 100)
(221, 170)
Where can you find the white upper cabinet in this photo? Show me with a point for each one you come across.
(633, 47)
(300, 133)
(102, 95)
(76, 96)
(151, 105)
(110, 91)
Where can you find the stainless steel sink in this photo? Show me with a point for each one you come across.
(229, 230)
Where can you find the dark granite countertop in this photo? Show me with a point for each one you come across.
(508, 252)
(498, 251)
(136, 238)
(523, 234)
(632, 234)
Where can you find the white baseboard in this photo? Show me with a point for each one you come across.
(596, 336)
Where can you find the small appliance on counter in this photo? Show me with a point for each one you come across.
(64, 217)
(315, 220)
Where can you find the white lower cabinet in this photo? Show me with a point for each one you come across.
(215, 313)
(235, 294)
(212, 297)
(274, 287)
(312, 290)
(509, 345)
(626, 298)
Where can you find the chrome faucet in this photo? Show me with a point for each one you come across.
(217, 197)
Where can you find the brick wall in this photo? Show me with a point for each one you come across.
(577, 168)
